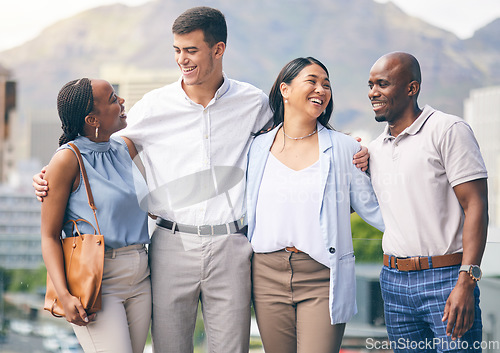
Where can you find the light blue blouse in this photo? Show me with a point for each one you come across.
(117, 187)
(342, 186)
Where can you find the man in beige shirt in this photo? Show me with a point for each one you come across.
(430, 180)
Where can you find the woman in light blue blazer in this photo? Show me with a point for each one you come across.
(301, 185)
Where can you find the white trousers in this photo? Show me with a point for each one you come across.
(123, 323)
(214, 270)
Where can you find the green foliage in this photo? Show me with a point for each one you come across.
(255, 343)
(199, 330)
(367, 241)
(21, 280)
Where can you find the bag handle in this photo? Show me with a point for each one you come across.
(75, 225)
(86, 182)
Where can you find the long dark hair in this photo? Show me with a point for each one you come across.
(286, 75)
(74, 102)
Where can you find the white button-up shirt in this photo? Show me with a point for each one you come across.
(195, 157)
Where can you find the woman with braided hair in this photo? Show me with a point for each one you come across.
(90, 112)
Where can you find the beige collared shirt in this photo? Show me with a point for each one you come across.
(413, 176)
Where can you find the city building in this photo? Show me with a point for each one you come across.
(20, 244)
(132, 83)
(7, 112)
(482, 112)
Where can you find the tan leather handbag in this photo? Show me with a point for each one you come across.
(83, 261)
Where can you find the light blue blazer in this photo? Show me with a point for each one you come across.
(343, 186)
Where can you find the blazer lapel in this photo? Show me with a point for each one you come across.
(325, 153)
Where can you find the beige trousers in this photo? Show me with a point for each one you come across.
(290, 296)
(214, 270)
(123, 323)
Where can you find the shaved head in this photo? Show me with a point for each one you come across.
(394, 88)
(407, 65)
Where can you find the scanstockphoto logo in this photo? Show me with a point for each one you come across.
(195, 188)
(188, 190)
(435, 344)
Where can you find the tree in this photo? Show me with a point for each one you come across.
(367, 241)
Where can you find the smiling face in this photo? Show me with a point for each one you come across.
(199, 63)
(390, 89)
(108, 110)
(309, 92)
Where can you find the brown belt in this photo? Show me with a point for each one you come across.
(292, 249)
(422, 262)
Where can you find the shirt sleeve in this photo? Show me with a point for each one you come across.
(461, 155)
(264, 117)
(363, 198)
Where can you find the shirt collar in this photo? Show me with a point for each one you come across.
(85, 142)
(324, 139)
(223, 89)
(414, 128)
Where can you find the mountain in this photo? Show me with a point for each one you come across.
(347, 35)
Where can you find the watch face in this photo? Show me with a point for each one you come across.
(475, 272)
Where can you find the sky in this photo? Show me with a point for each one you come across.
(22, 20)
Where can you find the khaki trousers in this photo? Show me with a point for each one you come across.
(123, 323)
(214, 270)
(290, 296)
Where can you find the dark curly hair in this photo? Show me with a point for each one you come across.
(74, 102)
(211, 21)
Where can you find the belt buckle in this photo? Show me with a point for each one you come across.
(201, 230)
(390, 257)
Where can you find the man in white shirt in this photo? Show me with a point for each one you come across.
(430, 181)
(193, 137)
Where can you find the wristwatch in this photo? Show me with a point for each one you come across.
(474, 271)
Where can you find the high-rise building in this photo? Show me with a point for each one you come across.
(20, 244)
(482, 112)
(132, 83)
(7, 111)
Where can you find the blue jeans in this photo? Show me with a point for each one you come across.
(414, 304)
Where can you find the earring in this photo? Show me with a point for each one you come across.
(286, 101)
(96, 131)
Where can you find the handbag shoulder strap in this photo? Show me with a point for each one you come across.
(86, 182)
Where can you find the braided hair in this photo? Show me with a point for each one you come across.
(74, 102)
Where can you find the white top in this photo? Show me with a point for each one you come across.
(287, 210)
(195, 157)
(413, 176)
